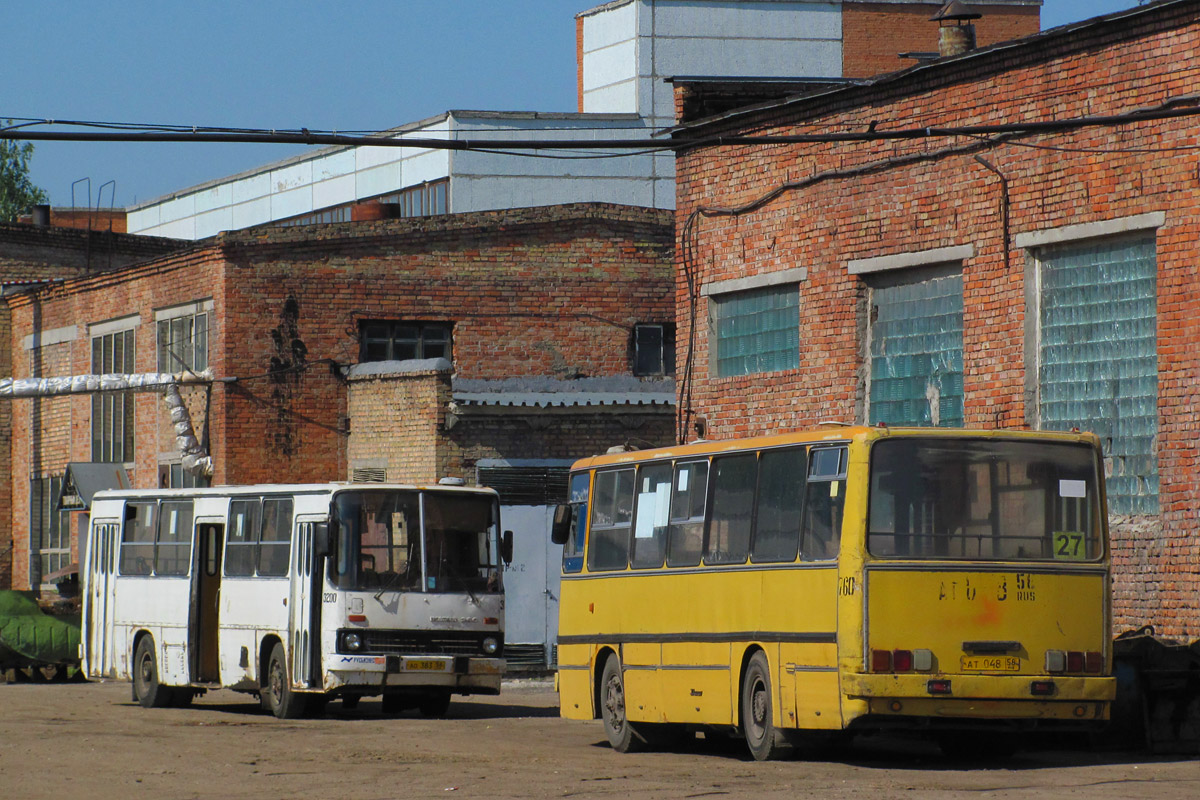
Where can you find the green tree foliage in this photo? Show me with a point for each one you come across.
(17, 192)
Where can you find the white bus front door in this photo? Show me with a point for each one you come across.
(304, 624)
(203, 624)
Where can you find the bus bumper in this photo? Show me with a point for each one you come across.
(459, 674)
(984, 697)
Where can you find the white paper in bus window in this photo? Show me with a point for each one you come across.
(173, 525)
(683, 480)
(1072, 488)
(653, 510)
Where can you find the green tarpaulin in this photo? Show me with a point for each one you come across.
(33, 636)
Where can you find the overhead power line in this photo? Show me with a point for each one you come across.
(682, 140)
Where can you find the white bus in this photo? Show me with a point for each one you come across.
(297, 593)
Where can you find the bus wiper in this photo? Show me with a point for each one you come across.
(465, 583)
(392, 580)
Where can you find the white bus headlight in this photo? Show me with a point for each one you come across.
(490, 645)
(352, 641)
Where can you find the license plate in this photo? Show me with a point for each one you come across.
(991, 664)
(428, 666)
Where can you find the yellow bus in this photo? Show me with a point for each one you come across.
(950, 582)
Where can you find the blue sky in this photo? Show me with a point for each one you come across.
(362, 65)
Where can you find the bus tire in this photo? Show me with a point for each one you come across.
(766, 742)
(277, 694)
(146, 684)
(435, 704)
(621, 735)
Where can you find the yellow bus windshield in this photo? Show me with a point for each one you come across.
(934, 498)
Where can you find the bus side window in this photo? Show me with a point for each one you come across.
(823, 503)
(651, 516)
(578, 498)
(612, 517)
(241, 538)
(734, 478)
(137, 539)
(780, 500)
(685, 536)
(174, 550)
(275, 547)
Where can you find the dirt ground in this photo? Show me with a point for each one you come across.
(90, 740)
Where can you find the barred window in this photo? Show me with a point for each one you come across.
(112, 412)
(384, 340)
(183, 343)
(49, 530)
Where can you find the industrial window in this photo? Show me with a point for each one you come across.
(654, 349)
(757, 330)
(112, 412)
(915, 333)
(49, 530)
(426, 199)
(324, 216)
(174, 476)
(183, 343)
(1097, 357)
(396, 341)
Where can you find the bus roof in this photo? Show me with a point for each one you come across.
(825, 433)
(287, 488)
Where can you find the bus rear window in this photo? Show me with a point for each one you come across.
(983, 500)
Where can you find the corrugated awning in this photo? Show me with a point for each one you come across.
(84, 478)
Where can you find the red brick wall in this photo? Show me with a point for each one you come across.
(550, 291)
(863, 200)
(874, 34)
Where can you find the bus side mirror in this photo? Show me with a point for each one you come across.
(560, 530)
(323, 539)
(506, 547)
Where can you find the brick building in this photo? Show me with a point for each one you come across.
(483, 342)
(1008, 278)
(34, 255)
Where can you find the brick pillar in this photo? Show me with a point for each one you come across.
(397, 419)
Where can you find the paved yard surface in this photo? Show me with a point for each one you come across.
(91, 741)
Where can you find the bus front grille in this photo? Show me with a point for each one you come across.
(409, 643)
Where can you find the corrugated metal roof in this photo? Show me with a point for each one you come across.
(564, 399)
(543, 392)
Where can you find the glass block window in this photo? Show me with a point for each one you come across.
(183, 343)
(916, 370)
(1098, 362)
(49, 529)
(112, 412)
(757, 330)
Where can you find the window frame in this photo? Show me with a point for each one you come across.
(787, 291)
(392, 338)
(108, 407)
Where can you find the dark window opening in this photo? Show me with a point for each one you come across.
(654, 349)
(383, 340)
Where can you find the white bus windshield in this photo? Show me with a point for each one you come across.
(983, 499)
(381, 545)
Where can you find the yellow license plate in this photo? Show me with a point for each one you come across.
(991, 664)
(430, 666)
